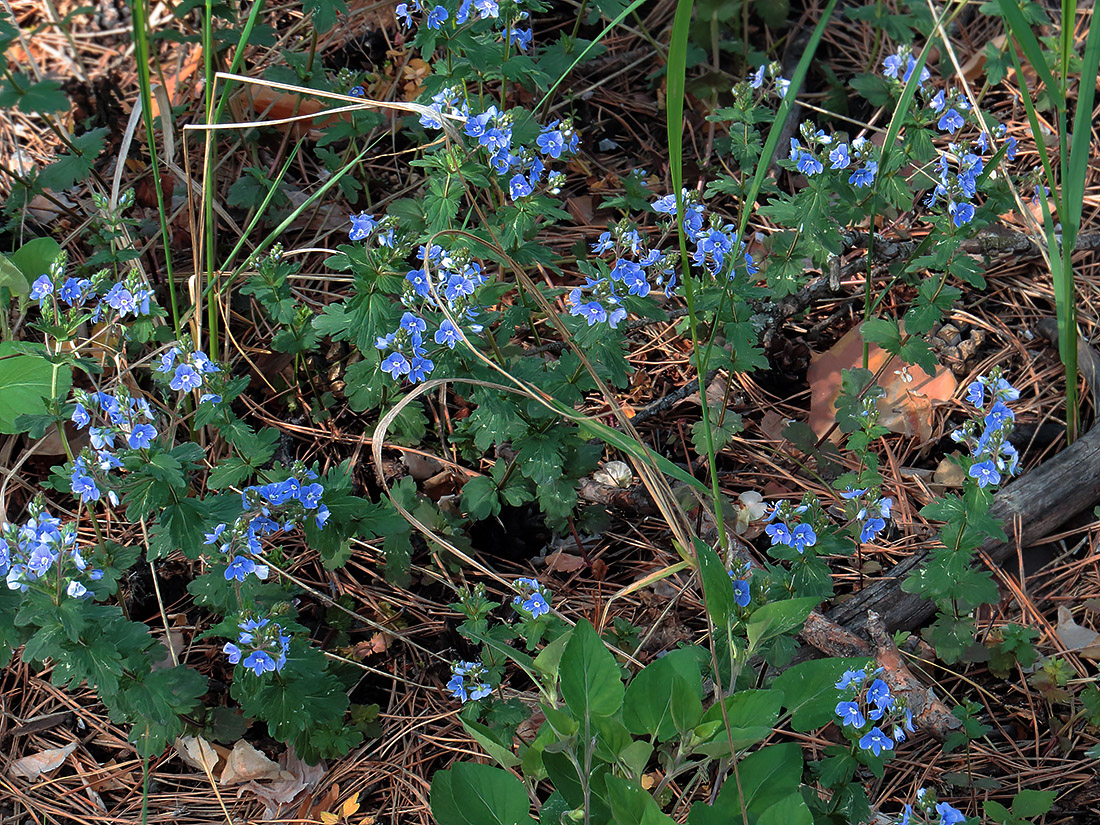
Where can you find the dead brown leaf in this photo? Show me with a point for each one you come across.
(910, 391)
(33, 766)
(563, 562)
(1082, 640)
(246, 764)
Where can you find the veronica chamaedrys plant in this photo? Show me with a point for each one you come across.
(948, 577)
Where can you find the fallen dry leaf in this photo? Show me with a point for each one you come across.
(910, 391)
(563, 562)
(296, 777)
(1082, 640)
(33, 766)
(197, 752)
(245, 764)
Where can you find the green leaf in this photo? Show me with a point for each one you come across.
(590, 681)
(766, 777)
(68, 169)
(789, 811)
(674, 678)
(25, 380)
(473, 794)
(809, 691)
(1029, 803)
(488, 740)
(35, 257)
(717, 587)
(776, 618)
(631, 804)
(751, 714)
(43, 97)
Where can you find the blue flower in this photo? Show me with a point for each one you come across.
(458, 285)
(593, 312)
(239, 568)
(985, 473)
(665, 205)
(419, 368)
(950, 122)
(396, 364)
(518, 187)
(436, 17)
(962, 213)
(780, 533)
(891, 66)
(362, 224)
(259, 662)
(74, 291)
(876, 741)
(879, 695)
(949, 815)
(938, 102)
(496, 140)
(849, 678)
(741, 592)
(551, 142)
(41, 288)
(101, 437)
(233, 652)
(487, 8)
(808, 165)
(448, 334)
(83, 486)
(212, 538)
(864, 176)
(1010, 153)
(849, 714)
(838, 157)
(975, 394)
(80, 417)
(803, 536)
(141, 437)
(757, 79)
(185, 378)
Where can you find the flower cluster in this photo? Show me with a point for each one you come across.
(485, 10)
(533, 599)
(261, 646)
(408, 356)
(468, 681)
(872, 515)
(268, 508)
(785, 530)
(987, 437)
(57, 294)
(770, 72)
(930, 812)
(872, 709)
(820, 148)
(123, 419)
(635, 269)
(29, 551)
(188, 373)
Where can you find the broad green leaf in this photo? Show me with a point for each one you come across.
(473, 794)
(488, 740)
(34, 258)
(1029, 803)
(717, 587)
(633, 805)
(25, 380)
(789, 811)
(590, 682)
(809, 690)
(766, 777)
(776, 618)
(647, 709)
